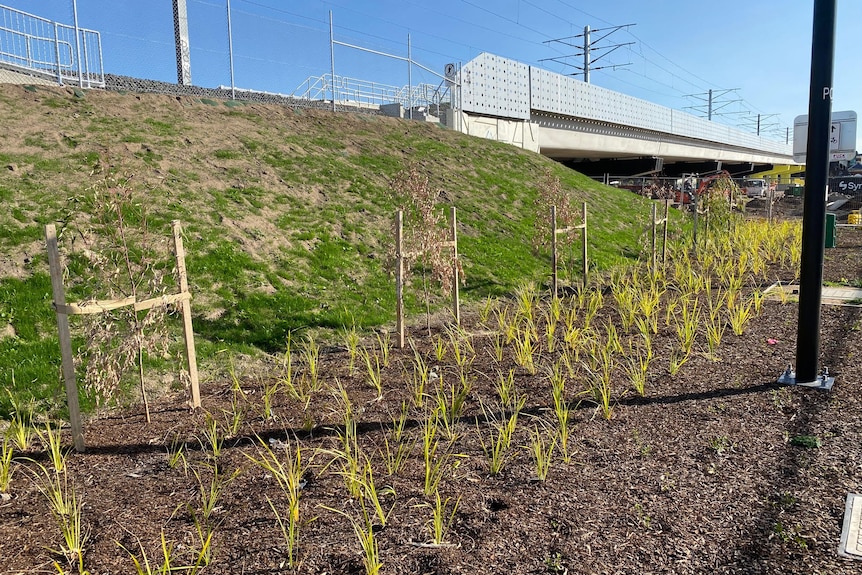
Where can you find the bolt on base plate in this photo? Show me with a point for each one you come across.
(824, 381)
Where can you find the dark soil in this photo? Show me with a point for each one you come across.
(715, 470)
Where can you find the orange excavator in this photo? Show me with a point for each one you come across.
(722, 182)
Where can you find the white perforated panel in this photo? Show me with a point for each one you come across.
(500, 87)
(496, 86)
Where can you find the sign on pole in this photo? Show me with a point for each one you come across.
(842, 137)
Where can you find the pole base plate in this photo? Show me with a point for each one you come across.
(823, 382)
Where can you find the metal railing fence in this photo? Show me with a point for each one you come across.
(35, 45)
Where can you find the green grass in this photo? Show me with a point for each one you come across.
(287, 222)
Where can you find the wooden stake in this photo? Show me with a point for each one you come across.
(664, 240)
(188, 331)
(654, 225)
(399, 277)
(554, 251)
(65, 337)
(456, 302)
(586, 261)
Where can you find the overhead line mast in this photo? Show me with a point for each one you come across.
(587, 48)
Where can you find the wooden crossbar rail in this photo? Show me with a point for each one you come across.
(64, 310)
(101, 306)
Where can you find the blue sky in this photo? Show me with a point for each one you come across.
(680, 47)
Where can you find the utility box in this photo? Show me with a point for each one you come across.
(830, 231)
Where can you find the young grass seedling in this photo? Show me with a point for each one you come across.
(310, 352)
(421, 376)
(499, 438)
(66, 508)
(350, 337)
(372, 368)
(176, 455)
(270, 388)
(53, 445)
(384, 344)
(442, 517)
(145, 569)
(288, 471)
(435, 464)
(714, 333)
(542, 452)
(394, 458)
(20, 428)
(524, 351)
(6, 469)
(677, 360)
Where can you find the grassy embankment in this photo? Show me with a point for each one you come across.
(286, 213)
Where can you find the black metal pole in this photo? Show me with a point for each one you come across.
(816, 179)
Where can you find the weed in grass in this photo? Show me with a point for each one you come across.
(442, 517)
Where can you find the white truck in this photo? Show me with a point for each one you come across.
(755, 188)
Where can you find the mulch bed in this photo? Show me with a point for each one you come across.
(705, 473)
